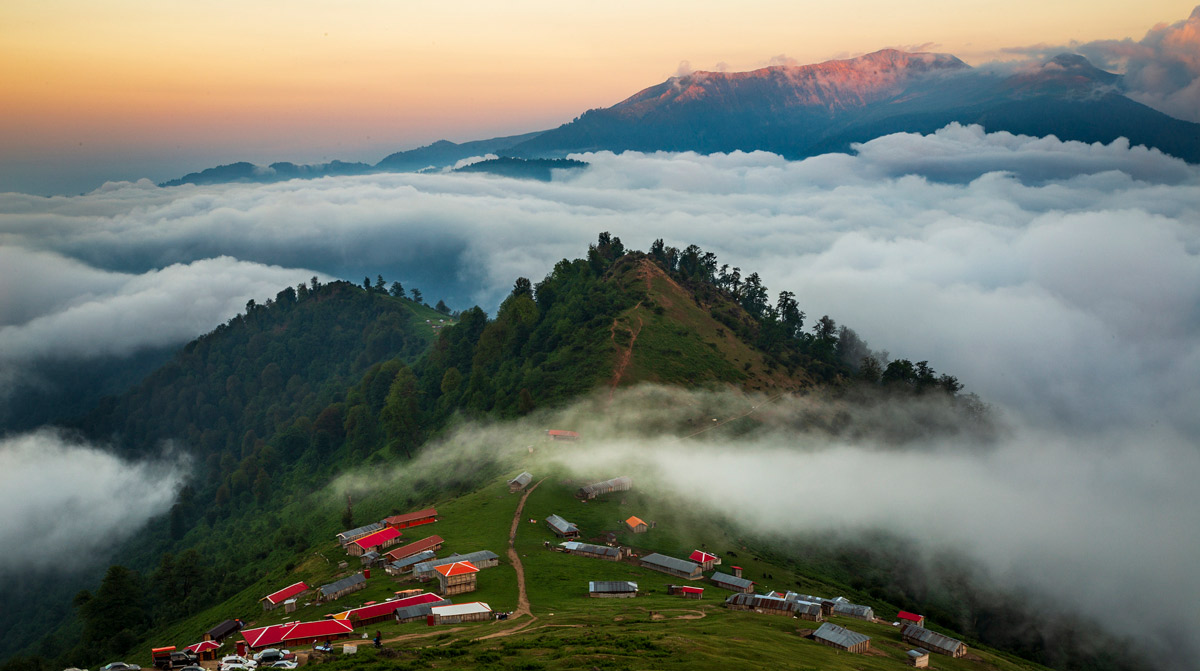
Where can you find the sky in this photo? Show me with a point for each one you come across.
(132, 88)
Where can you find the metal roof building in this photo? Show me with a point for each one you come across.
(589, 549)
(481, 559)
(419, 611)
(621, 484)
(347, 536)
(673, 566)
(612, 588)
(933, 641)
(406, 564)
(732, 582)
(842, 638)
(561, 527)
(342, 587)
(854, 610)
(520, 482)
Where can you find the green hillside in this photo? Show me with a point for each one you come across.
(336, 405)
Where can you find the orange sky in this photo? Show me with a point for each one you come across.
(307, 80)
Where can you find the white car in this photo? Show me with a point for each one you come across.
(236, 660)
(284, 664)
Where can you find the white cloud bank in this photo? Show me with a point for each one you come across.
(69, 501)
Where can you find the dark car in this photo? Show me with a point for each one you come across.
(181, 658)
(120, 666)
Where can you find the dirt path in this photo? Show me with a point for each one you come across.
(522, 597)
(624, 357)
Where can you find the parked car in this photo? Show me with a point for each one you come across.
(120, 666)
(236, 667)
(284, 664)
(193, 668)
(271, 655)
(235, 660)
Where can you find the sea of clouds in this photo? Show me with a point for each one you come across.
(1058, 280)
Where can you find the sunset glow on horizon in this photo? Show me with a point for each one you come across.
(136, 83)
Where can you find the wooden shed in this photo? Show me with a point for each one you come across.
(672, 566)
(205, 651)
(219, 632)
(732, 583)
(918, 657)
(520, 482)
(706, 560)
(686, 591)
(855, 611)
(595, 551)
(561, 527)
(456, 578)
(347, 536)
(906, 617)
(621, 484)
(340, 588)
(612, 589)
(636, 525)
(933, 641)
(842, 638)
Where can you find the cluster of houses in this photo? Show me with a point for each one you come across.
(458, 573)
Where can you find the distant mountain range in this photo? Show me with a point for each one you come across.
(801, 111)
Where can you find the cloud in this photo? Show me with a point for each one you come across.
(1055, 278)
(1162, 70)
(59, 308)
(70, 501)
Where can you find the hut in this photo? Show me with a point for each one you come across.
(339, 589)
(219, 632)
(456, 578)
(347, 536)
(686, 592)
(767, 605)
(732, 582)
(705, 560)
(272, 601)
(385, 610)
(418, 611)
(371, 559)
(561, 527)
(621, 484)
(636, 525)
(595, 551)
(205, 651)
(462, 612)
(520, 482)
(384, 538)
(402, 566)
(481, 559)
(561, 435)
(854, 610)
(933, 641)
(842, 638)
(672, 566)
(427, 516)
(906, 617)
(430, 544)
(918, 657)
(294, 634)
(612, 589)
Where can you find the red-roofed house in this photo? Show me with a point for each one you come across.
(384, 538)
(204, 650)
(427, 516)
(456, 578)
(686, 592)
(378, 612)
(297, 633)
(636, 525)
(433, 543)
(558, 434)
(906, 617)
(705, 560)
(272, 601)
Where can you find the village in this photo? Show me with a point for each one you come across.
(396, 562)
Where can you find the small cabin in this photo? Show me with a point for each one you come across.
(384, 538)
(458, 613)
(933, 641)
(430, 544)
(906, 617)
(561, 527)
(686, 591)
(732, 583)
(205, 651)
(340, 588)
(918, 657)
(636, 525)
(706, 560)
(559, 435)
(589, 492)
(273, 600)
(520, 482)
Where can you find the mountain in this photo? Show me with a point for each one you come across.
(800, 111)
(805, 110)
(335, 405)
(540, 169)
